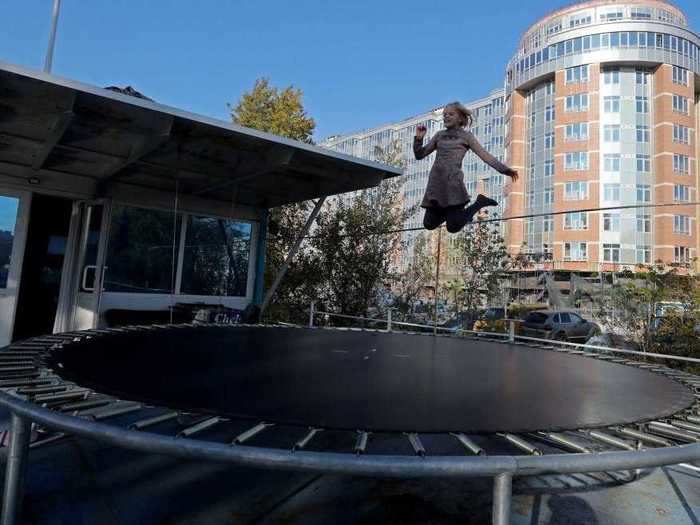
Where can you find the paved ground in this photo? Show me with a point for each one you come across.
(81, 482)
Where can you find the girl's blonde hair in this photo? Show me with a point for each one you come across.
(466, 115)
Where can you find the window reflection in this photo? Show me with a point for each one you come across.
(141, 255)
(8, 221)
(216, 257)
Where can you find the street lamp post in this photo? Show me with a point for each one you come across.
(52, 36)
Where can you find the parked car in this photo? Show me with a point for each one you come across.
(562, 326)
(462, 321)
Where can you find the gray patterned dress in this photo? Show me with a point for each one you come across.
(446, 180)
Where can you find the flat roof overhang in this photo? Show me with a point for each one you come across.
(58, 127)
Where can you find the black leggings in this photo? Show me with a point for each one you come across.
(455, 216)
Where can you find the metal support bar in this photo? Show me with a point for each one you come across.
(292, 254)
(416, 443)
(48, 61)
(145, 423)
(260, 254)
(388, 320)
(511, 331)
(502, 493)
(15, 470)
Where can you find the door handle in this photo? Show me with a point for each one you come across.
(84, 282)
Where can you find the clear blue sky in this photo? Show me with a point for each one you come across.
(360, 63)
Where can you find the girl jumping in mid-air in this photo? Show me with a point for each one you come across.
(446, 195)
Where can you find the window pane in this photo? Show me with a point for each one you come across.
(140, 257)
(8, 220)
(216, 257)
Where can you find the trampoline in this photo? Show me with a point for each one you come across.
(398, 404)
(369, 381)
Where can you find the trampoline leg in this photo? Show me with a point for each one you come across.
(15, 470)
(502, 491)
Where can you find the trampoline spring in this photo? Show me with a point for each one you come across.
(199, 427)
(521, 444)
(151, 421)
(686, 425)
(114, 411)
(693, 419)
(82, 405)
(566, 443)
(43, 389)
(11, 383)
(603, 437)
(307, 438)
(361, 443)
(644, 437)
(251, 433)
(468, 444)
(667, 430)
(8, 369)
(47, 441)
(415, 441)
(63, 396)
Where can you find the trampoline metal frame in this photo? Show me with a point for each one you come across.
(503, 468)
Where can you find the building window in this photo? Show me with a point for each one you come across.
(549, 114)
(576, 251)
(549, 88)
(643, 193)
(681, 254)
(681, 134)
(548, 223)
(641, 75)
(577, 103)
(577, 74)
(643, 254)
(644, 223)
(611, 252)
(680, 76)
(611, 192)
(548, 168)
(611, 76)
(681, 193)
(642, 104)
(577, 131)
(531, 199)
(641, 13)
(549, 140)
(575, 191)
(680, 104)
(643, 134)
(549, 196)
(611, 162)
(9, 207)
(611, 133)
(576, 221)
(140, 257)
(580, 19)
(615, 13)
(216, 257)
(611, 222)
(577, 160)
(681, 224)
(611, 104)
(643, 163)
(681, 163)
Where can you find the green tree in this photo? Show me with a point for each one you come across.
(485, 264)
(418, 274)
(277, 111)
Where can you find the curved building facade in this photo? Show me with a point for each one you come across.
(602, 111)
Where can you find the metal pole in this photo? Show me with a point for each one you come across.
(15, 469)
(437, 280)
(511, 331)
(312, 310)
(292, 254)
(502, 492)
(48, 62)
(388, 320)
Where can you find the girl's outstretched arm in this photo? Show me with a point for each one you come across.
(419, 150)
(489, 159)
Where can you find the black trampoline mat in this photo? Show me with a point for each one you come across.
(360, 380)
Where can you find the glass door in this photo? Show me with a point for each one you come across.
(81, 290)
(14, 210)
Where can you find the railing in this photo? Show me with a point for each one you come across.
(511, 336)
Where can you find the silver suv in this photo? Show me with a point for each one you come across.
(562, 326)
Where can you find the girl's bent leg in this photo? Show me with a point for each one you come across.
(433, 218)
(456, 218)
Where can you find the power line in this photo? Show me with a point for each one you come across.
(543, 214)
